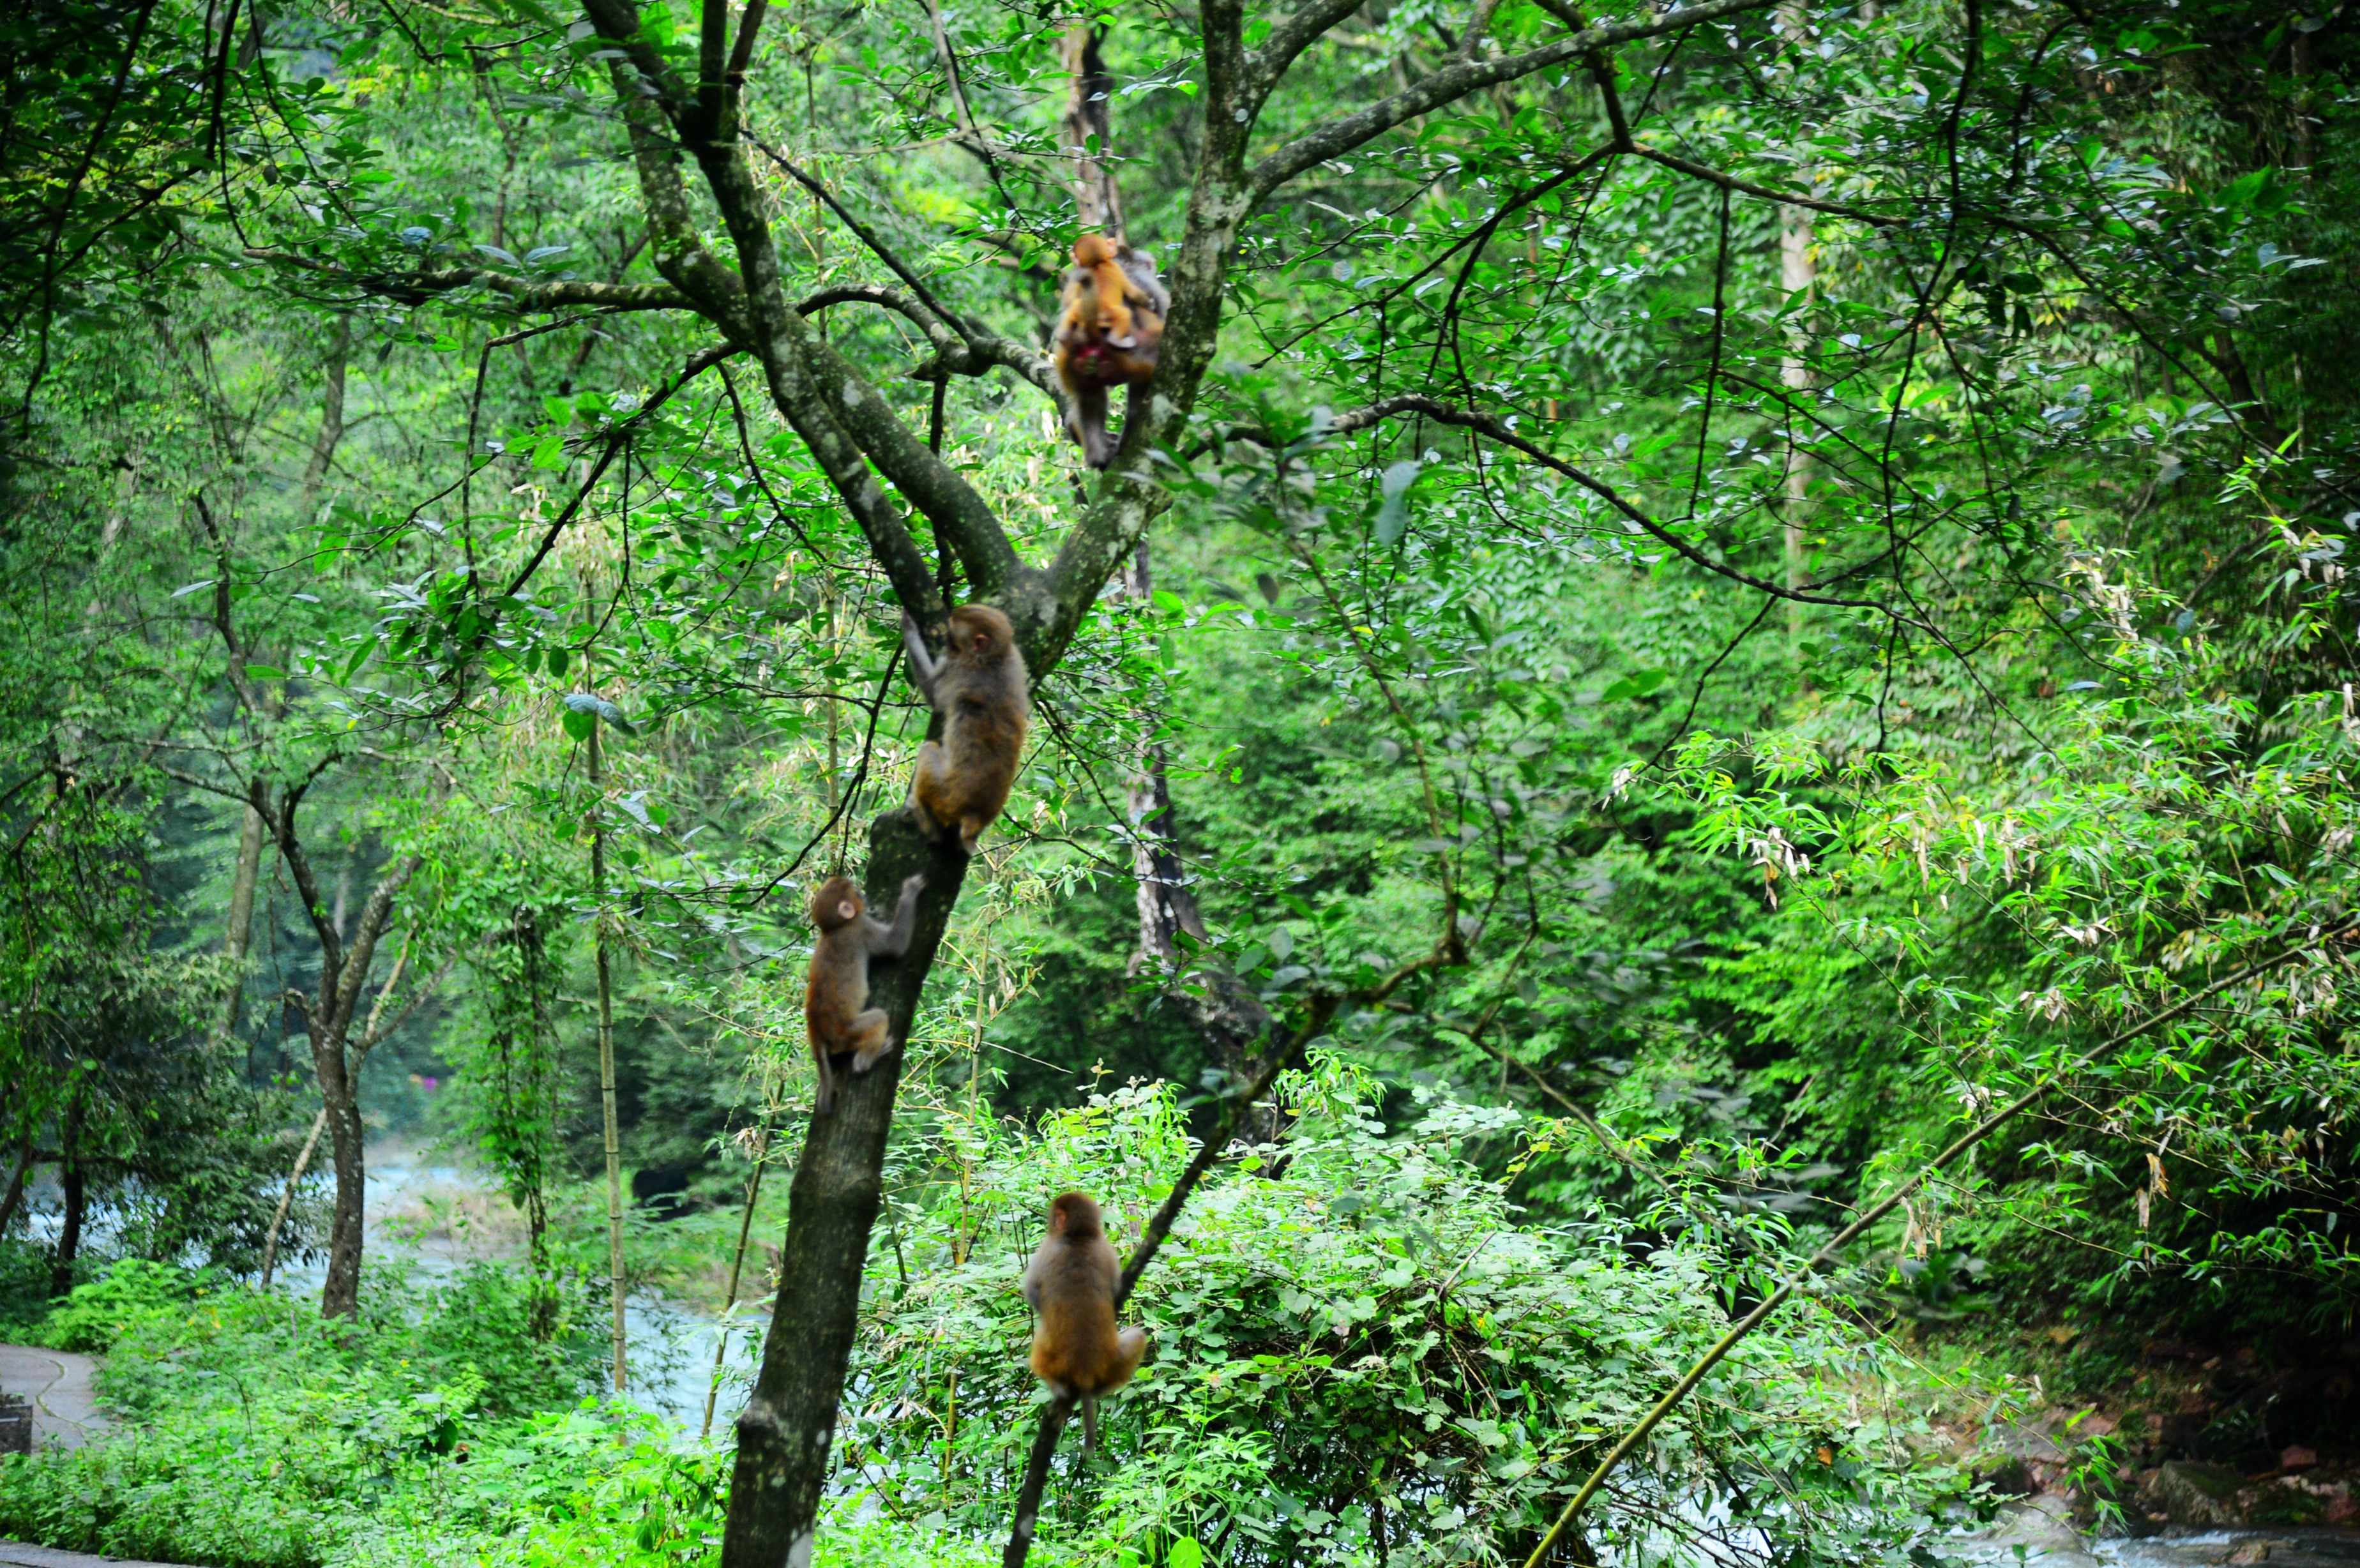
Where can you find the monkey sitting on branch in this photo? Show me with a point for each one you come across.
(1070, 1284)
(1110, 328)
(836, 998)
(980, 688)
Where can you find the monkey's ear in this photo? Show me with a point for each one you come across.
(847, 909)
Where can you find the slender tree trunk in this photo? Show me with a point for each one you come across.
(534, 1096)
(1229, 1017)
(240, 934)
(70, 1177)
(332, 414)
(340, 1296)
(287, 1198)
(736, 1267)
(15, 1193)
(1088, 118)
(1798, 273)
(606, 1048)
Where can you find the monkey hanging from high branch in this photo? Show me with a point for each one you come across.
(1109, 327)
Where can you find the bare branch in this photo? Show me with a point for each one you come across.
(1491, 428)
(526, 293)
(1338, 136)
(1731, 183)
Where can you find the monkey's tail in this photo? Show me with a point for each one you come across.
(827, 1085)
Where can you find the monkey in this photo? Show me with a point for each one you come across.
(836, 997)
(979, 686)
(1109, 329)
(1070, 1284)
(1109, 289)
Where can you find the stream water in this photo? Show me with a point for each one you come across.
(2037, 1534)
(668, 1347)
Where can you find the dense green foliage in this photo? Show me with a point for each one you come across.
(1782, 580)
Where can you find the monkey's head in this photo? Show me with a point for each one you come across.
(838, 903)
(1075, 1216)
(1093, 250)
(980, 632)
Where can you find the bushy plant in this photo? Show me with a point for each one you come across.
(1362, 1355)
(133, 1294)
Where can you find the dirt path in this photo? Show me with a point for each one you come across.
(65, 1412)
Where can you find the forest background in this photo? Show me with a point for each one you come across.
(1704, 599)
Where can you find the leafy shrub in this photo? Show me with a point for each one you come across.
(1365, 1356)
(133, 1294)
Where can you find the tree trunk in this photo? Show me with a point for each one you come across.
(70, 1177)
(1797, 272)
(240, 934)
(340, 1297)
(785, 1435)
(1229, 1017)
(331, 415)
(15, 1194)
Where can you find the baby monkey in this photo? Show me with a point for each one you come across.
(979, 686)
(1071, 1283)
(836, 998)
(1110, 328)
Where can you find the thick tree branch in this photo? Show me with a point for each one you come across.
(1340, 135)
(955, 354)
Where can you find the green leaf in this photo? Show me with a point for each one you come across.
(1638, 683)
(265, 672)
(579, 724)
(1393, 511)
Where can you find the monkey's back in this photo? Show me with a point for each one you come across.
(831, 1002)
(1076, 1345)
(987, 722)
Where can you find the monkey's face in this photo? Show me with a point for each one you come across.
(836, 904)
(979, 632)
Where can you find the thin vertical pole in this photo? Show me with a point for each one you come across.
(607, 1044)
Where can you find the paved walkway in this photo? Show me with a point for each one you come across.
(16, 1555)
(65, 1411)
